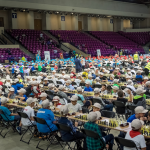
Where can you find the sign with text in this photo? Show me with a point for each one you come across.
(47, 55)
(14, 15)
(111, 20)
(62, 18)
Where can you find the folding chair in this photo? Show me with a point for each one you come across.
(85, 110)
(25, 116)
(97, 86)
(82, 84)
(95, 135)
(74, 84)
(96, 100)
(7, 124)
(66, 128)
(108, 114)
(124, 142)
(51, 134)
(131, 108)
(51, 81)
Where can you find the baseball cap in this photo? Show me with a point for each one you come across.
(63, 72)
(112, 76)
(128, 77)
(147, 83)
(96, 90)
(129, 82)
(92, 116)
(74, 98)
(45, 103)
(21, 90)
(115, 87)
(145, 78)
(51, 85)
(12, 89)
(140, 91)
(87, 82)
(140, 109)
(43, 95)
(61, 87)
(56, 98)
(64, 110)
(4, 100)
(79, 89)
(89, 76)
(16, 80)
(138, 71)
(66, 77)
(31, 100)
(116, 80)
(46, 79)
(97, 78)
(54, 71)
(97, 105)
(136, 124)
(19, 76)
(128, 69)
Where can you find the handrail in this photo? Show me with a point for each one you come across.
(9, 38)
(2, 38)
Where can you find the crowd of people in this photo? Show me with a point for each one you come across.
(125, 78)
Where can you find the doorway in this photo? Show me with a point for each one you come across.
(37, 24)
(1, 22)
(79, 25)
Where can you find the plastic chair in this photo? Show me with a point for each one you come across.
(108, 114)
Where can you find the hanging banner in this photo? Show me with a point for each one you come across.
(47, 55)
(61, 55)
(98, 52)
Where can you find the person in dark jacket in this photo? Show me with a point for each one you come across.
(78, 65)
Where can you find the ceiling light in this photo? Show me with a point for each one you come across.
(57, 12)
(108, 16)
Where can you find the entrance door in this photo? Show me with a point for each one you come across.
(37, 24)
(79, 25)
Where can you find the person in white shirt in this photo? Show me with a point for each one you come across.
(40, 77)
(130, 85)
(115, 90)
(61, 79)
(74, 106)
(136, 136)
(30, 112)
(103, 90)
(77, 81)
(83, 62)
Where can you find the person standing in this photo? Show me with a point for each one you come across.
(136, 57)
(78, 65)
(83, 62)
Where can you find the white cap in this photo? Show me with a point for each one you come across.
(85, 70)
(140, 109)
(45, 103)
(115, 88)
(43, 95)
(71, 74)
(147, 83)
(129, 82)
(19, 76)
(97, 105)
(89, 76)
(54, 71)
(87, 82)
(140, 91)
(74, 98)
(145, 78)
(68, 81)
(79, 89)
(63, 72)
(21, 91)
(97, 78)
(66, 77)
(4, 100)
(112, 76)
(115, 80)
(56, 98)
(12, 89)
(64, 110)
(125, 90)
(46, 79)
(61, 87)
(1, 87)
(96, 90)
(61, 76)
(51, 85)
(136, 124)
(34, 77)
(101, 73)
(128, 69)
(31, 100)
(139, 71)
(45, 74)
(92, 116)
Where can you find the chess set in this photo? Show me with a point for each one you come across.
(90, 94)
(82, 117)
(21, 104)
(145, 130)
(148, 101)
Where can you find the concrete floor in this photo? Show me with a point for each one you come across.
(12, 142)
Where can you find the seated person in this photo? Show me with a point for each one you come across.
(45, 82)
(147, 88)
(127, 92)
(56, 101)
(53, 89)
(30, 112)
(64, 100)
(116, 82)
(61, 78)
(46, 114)
(85, 74)
(145, 80)
(78, 79)
(103, 90)
(87, 87)
(95, 144)
(69, 86)
(89, 79)
(74, 106)
(120, 98)
(93, 75)
(69, 136)
(115, 90)
(139, 114)
(11, 94)
(18, 84)
(21, 96)
(82, 101)
(130, 85)
(106, 105)
(43, 97)
(138, 75)
(97, 108)
(9, 116)
(139, 98)
(97, 79)
(19, 78)
(111, 78)
(35, 89)
(109, 89)
(135, 135)
(102, 78)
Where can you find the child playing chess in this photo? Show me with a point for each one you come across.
(56, 101)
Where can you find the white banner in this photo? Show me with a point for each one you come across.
(98, 52)
(47, 55)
